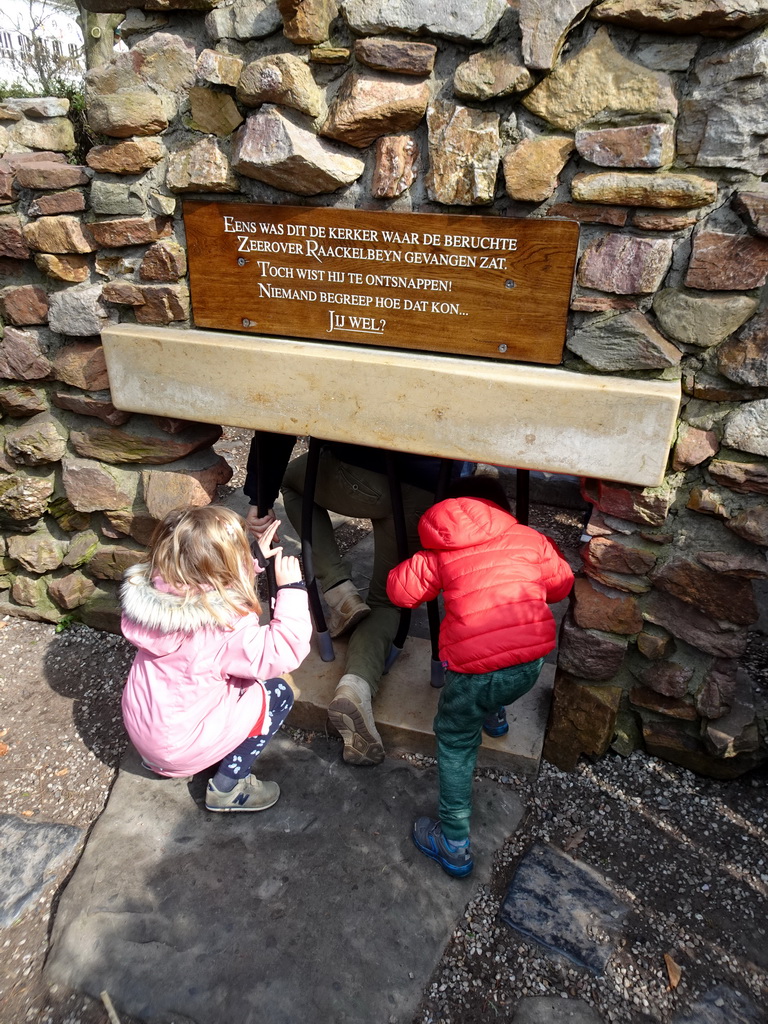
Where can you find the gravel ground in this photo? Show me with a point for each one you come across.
(689, 855)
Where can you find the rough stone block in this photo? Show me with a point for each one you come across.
(402, 56)
(464, 154)
(396, 166)
(91, 486)
(366, 107)
(71, 591)
(39, 440)
(78, 311)
(727, 262)
(24, 496)
(589, 653)
(495, 72)
(219, 68)
(110, 561)
(124, 114)
(597, 85)
(72, 269)
(307, 21)
(55, 133)
(51, 175)
(111, 234)
(22, 399)
(213, 112)
(625, 264)
(139, 441)
(82, 365)
(202, 166)
(281, 78)
(470, 22)
(131, 157)
(89, 403)
(646, 145)
(13, 242)
(274, 147)
(190, 481)
(22, 356)
(532, 169)
(63, 234)
(72, 201)
(24, 305)
(582, 721)
(38, 552)
(164, 261)
(599, 607)
(686, 622)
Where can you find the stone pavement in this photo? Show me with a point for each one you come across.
(320, 908)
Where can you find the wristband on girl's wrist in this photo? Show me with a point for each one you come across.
(298, 585)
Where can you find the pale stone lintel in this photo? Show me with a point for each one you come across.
(506, 414)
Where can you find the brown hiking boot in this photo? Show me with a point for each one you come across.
(351, 715)
(345, 608)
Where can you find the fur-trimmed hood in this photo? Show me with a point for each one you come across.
(157, 617)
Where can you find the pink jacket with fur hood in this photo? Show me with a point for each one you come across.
(193, 692)
(497, 578)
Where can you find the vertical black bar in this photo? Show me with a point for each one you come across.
(269, 565)
(401, 538)
(307, 508)
(523, 496)
(437, 674)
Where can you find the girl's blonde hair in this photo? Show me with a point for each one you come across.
(204, 550)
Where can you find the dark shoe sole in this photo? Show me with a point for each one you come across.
(501, 731)
(450, 869)
(360, 747)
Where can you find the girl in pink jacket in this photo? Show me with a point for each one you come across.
(497, 578)
(206, 684)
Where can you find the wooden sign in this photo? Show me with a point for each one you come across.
(484, 286)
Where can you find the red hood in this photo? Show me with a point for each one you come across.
(462, 522)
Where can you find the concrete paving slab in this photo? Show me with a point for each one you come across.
(319, 909)
(566, 906)
(31, 853)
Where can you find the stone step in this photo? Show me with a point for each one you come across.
(405, 706)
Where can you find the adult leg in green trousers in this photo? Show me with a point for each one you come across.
(364, 494)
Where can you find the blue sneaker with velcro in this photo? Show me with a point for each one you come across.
(496, 724)
(428, 837)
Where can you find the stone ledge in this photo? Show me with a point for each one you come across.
(406, 703)
(463, 408)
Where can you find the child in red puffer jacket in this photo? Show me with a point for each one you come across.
(497, 578)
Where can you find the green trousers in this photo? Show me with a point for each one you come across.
(465, 701)
(361, 494)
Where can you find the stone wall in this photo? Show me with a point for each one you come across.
(643, 120)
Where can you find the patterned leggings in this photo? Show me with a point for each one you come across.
(237, 765)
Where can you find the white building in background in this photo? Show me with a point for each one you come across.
(58, 30)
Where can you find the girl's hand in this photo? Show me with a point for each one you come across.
(256, 525)
(264, 540)
(287, 568)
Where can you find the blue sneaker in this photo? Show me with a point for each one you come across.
(428, 837)
(496, 724)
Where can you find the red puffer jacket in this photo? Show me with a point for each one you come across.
(496, 577)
